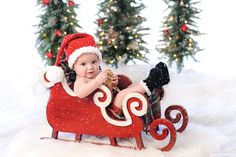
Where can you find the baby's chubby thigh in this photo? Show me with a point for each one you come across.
(119, 97)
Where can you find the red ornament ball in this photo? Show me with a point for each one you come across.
(49, 55)
(46, 2)
(100, 21)
(184, 28)
(166, 32)
(57, 33)
(71, 3)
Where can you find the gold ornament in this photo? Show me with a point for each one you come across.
(108, 83)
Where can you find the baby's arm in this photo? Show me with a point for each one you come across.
(83, 88)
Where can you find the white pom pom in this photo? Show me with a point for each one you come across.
(54, 74)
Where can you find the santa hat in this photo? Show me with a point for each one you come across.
(74, 45)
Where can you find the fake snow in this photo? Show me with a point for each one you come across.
(208, 99)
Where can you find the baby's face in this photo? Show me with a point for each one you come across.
(87, 65)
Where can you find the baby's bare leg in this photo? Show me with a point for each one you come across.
(133, 88)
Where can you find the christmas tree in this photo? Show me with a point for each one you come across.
(179, 30)
(120, 31)
(58, 19)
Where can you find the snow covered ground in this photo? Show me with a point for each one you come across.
(206, 89)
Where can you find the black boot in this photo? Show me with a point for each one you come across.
(153, 81)
(165, 73)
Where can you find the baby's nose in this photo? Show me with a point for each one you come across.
(90, 66)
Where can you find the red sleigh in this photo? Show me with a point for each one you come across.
(68, 113)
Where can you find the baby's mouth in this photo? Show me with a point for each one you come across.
(91, 72)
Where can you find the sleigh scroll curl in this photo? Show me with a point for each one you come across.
(180, 114)
(134, 104)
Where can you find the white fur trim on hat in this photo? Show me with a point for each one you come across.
(54, 74)
(88, 49)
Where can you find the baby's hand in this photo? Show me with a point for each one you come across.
(101, 77)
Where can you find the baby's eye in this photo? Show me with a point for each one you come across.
(94, 61)
(83, 64)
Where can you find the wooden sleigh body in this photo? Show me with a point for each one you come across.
(68, 113)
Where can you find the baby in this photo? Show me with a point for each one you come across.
(84, 58)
